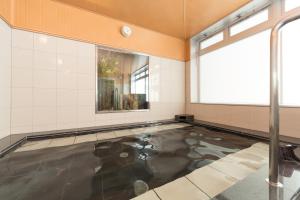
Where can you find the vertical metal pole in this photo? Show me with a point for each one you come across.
(274, 101)
(274, 110)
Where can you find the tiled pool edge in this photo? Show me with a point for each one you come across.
(20, 139)
(98, 136)
(203, 193)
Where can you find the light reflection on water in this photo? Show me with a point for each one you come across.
(160, 158)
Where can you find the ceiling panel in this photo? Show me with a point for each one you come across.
(178, 18)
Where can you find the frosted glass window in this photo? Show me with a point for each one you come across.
(290, 95)
(212, 40)
(291, 4)
(238, 73)
(250, 22)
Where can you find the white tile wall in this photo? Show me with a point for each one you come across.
(5, 78)
(54, 88)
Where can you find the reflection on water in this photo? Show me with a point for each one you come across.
(118, 168)
(153, 160)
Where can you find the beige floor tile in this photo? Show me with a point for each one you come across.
(85, 138)
(231, 168)
(58, 142)
(180, 189)
(180, 125)
(34, 145)
(106, 136)
(123, 133)
(257, 151)
(261, 145)
(152, 129)
(150, 195)
(183, 124)
(211, 181)
(138, 130)
(248, 159)
(30, 143)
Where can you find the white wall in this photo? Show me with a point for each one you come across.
(5, 78)
(53, 86)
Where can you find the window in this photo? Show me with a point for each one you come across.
(250, 22)
(291, 4)
(212, 40)
(122, 81)
(290, 84)
(139, 81)
(237, 73)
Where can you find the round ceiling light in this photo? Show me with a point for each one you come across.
(126, 31)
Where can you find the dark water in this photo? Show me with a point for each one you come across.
(113, 169)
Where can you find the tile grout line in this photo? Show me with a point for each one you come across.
(210, 165)
(222, 172)
(156, 194)
(197, 187)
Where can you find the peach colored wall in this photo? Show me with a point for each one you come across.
(51, 17)
(250, 117)
(5, 10)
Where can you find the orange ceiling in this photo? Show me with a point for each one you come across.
(178, 18)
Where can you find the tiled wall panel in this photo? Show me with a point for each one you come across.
(54, 86)
(5, 78)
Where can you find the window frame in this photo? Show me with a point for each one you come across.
(276, 11)
(138, 72)
(96, 80)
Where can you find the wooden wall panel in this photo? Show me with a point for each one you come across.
(59, 19)
(5, 10)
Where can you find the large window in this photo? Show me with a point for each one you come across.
(122, 81)
(290, 83)
(237, 73)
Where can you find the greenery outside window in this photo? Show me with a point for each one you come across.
(122, 81)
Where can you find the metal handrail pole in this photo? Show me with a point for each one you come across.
(274, 100)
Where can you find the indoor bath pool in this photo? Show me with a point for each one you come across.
(123, 164)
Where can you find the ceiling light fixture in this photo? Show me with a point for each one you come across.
(126, 31)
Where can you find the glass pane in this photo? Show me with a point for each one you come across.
(290, 64)
(122, 81)
(250, 22)
(212, 40)
(291, 4)
(238, 73)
